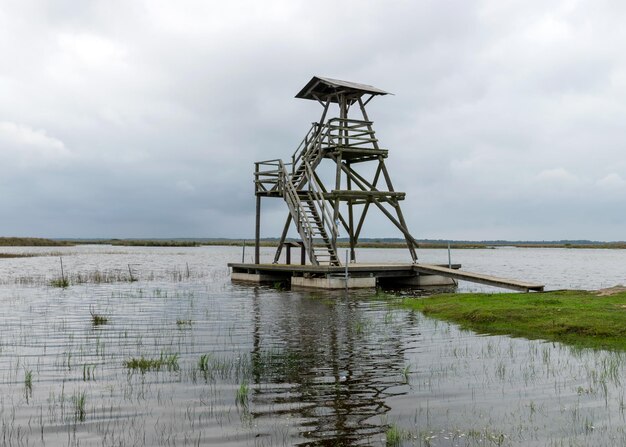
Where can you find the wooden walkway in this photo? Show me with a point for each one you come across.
(478, 278)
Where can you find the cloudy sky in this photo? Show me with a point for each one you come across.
(135, 118)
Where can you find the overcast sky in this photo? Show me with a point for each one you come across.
(138, 118)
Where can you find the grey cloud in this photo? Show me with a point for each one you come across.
(144, 118)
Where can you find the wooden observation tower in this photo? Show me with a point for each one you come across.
(319, 211)
(358, 182)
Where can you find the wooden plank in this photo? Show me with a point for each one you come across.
(478, 278)
(346, 194)
(363, 151)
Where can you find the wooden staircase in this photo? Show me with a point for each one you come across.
(310, 211)
(304, 197)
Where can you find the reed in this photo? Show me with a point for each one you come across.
(79, 400)
(28, 384)
(241, 397)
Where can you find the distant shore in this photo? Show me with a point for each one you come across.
(364, 243)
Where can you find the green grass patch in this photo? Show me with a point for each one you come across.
(578, 318)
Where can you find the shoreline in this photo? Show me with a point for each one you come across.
(366, 243)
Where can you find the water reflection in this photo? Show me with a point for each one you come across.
(328, 362)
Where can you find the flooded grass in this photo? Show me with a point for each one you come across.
(98, 319)
(57, 282)
(167, 362)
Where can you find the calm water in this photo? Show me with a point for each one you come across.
(256, 366)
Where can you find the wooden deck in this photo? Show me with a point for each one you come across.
(384, 271)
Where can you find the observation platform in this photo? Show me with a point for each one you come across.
(370, 275)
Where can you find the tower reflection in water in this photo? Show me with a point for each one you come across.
(326, 362)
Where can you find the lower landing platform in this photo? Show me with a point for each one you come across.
(359, 276)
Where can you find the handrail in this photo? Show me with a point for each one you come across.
(313, 143)
(350, 132)
(320, 203)
(293, 202)
(267, 178)
(303, 147)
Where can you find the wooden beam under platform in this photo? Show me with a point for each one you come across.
(355, 194)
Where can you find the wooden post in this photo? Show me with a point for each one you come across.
(350, 218)
(257, 232)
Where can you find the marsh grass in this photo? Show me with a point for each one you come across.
(579, 318)
(17, 255)
(241, 397)
(406, 373)
(63, 281)
(280, 286)
(60, 282)
(203, 363)
(28, 384)
(98, 319)
(79, 400)
(395, 436)
(225, 368)
(168, 362)
(89, 372)
(32, 242)
(103, 277)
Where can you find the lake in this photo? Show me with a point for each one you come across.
(180, 356)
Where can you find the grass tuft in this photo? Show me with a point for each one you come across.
(241, 397)
(168, 362)
(28, 384)
(60, 282)
(98, 319)
(395, 436)
(203, 363)
(79, 401)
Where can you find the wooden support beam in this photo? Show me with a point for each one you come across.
(350, 219)
(367, 205)
(257, 232)
(402, 228)
(282, 239)
(347, 194)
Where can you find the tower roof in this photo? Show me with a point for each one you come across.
(324, 89)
